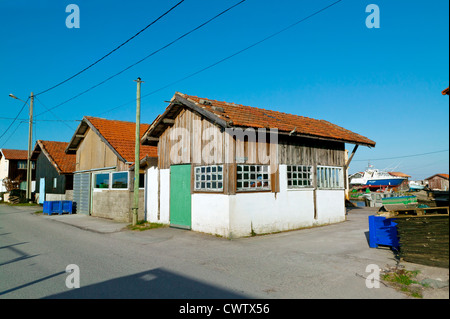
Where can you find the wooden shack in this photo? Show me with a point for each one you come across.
(234, 170)
(438, 182)
(54, 171)
(104, 169)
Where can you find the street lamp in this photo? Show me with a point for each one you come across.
(30, 133)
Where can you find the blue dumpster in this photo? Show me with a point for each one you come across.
(57, 206)
(383, 231)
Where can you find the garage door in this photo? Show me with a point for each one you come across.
(82, 192)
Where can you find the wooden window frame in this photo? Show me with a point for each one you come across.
(297, 179)
(323, 174)
(196, 174)
(249, 189)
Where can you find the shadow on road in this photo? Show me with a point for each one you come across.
(153, 284)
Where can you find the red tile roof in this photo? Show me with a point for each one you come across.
(55, 152)
(246, 116)
(399, 174)
(121, 136)
(15, 154)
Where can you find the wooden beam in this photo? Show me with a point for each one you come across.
(351, 156)
(152, 139)
(208, 114)
(169, 121)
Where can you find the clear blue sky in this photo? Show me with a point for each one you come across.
(383, 83)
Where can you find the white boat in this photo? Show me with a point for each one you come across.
(415, 186)
(375, 178)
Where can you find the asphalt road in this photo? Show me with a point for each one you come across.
(326, 262)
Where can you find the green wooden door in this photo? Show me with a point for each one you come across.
(180, 196)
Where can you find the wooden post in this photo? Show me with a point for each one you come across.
(137, 151)
(30, 134)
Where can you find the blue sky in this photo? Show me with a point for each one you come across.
(382, 83)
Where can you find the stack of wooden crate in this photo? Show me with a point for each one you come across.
(424, 239)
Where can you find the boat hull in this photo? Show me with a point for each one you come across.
(384, 182)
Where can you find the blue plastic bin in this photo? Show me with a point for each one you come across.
(383, 231)
(58, 207)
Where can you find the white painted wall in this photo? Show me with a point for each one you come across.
(152, 195)
(210, 213)
(3, 172)
(236, 215)
(330, 206)
(271, 212)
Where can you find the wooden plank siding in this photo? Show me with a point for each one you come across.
(193, 139)
(93, 153)
(304, 151)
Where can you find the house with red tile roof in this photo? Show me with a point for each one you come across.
(104, 152)
(235, 170)
(13, 165)
(54, 171)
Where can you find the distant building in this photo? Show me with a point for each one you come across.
(438, 181)
(54, 171)
(13, 165)
(405, 183)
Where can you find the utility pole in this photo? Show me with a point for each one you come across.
(30, 134)
(137, 151)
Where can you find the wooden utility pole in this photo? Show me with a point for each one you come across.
(137, 151)
(30, 134)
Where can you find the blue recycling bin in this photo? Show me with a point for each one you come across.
(383, 231)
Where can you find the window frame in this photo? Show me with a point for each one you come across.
(111, 187)
(249, 180)
(95, 180)
(297, 179)
(110, 180)
(337, 180)
(219, 170)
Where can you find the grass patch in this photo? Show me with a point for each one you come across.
(405, 281)
(144, 225)
(39, 212)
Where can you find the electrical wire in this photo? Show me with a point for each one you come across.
(15, 119)
(148, 56)
(390, 158)
(227, 58)
(111, 52)
(64, 122)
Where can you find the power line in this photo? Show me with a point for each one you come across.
(389, 158)
(15, 119)
(148, 56)
(228, 57)
(111, 52)
(64, 122)
(4, 143)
